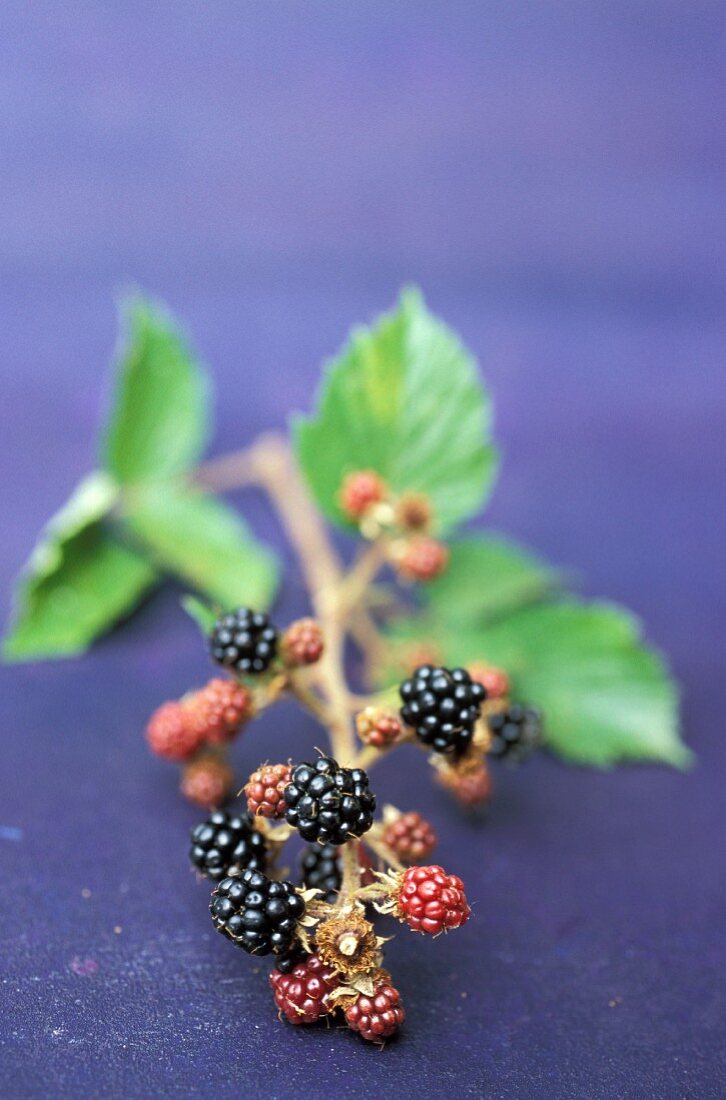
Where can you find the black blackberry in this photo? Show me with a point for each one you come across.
(244, 640)
(321, 869)
(328, 803)
(516, 732)
(259, 915)
(442, 705)
(224, 841)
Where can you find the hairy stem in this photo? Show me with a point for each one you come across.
(351, 869)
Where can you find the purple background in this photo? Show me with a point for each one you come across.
(552, 175)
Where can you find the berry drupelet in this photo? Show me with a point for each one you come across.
(515, 732)
(442, 706)
(227, 841)
(329, 803)
(321, 869)
(257, 914)
(245, 641)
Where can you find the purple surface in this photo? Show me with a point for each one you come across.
(552, 175)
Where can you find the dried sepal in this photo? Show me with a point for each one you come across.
(347, 940)
(360, 983)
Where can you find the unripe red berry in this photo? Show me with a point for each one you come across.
(360, 491)
(171, 734)
(265, 790)
(431, 901)
(471, 786)
(378, 1016)
(207, 781)
(422, 559)
(218, 710)
(494, 680)
(410, 836)
(302, 643)
(378, 727)
(301, 995)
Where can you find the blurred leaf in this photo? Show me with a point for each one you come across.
(206, 543)
(79, 580)
(204, 615)
(487, 576)
(403, 398)
(161, 414)
(606, 696)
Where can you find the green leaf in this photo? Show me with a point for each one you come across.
(202, 540)
(161, 414)
(487, 577)
(403, 398)
(204, 615)
(79, 580)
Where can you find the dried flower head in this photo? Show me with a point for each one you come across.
(347, 941)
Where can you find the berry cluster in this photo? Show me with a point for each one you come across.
(226, 843)
(194, 730)
(265, 790)
(245, 641)
(259, 915)
(442, 706)
(430, 901)
(421, 559)
(469, 782)
(329, 803)
(302, 994)
(378, 727)
(321, 869)
(409, 836)
(328, 957)
(302, 644)
(378, 1015)
(515, 732)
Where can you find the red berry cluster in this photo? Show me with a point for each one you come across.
(431, 901)
(379, 1015)
(265, 790)
(471, 784)
(170, 733)
(218, 710)
(421, 559)
(410, 837)
(180, 730)
(360, 491)
(207, 781)
(378, 727)
(302, 643)
(301, 995)
(213, 715)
